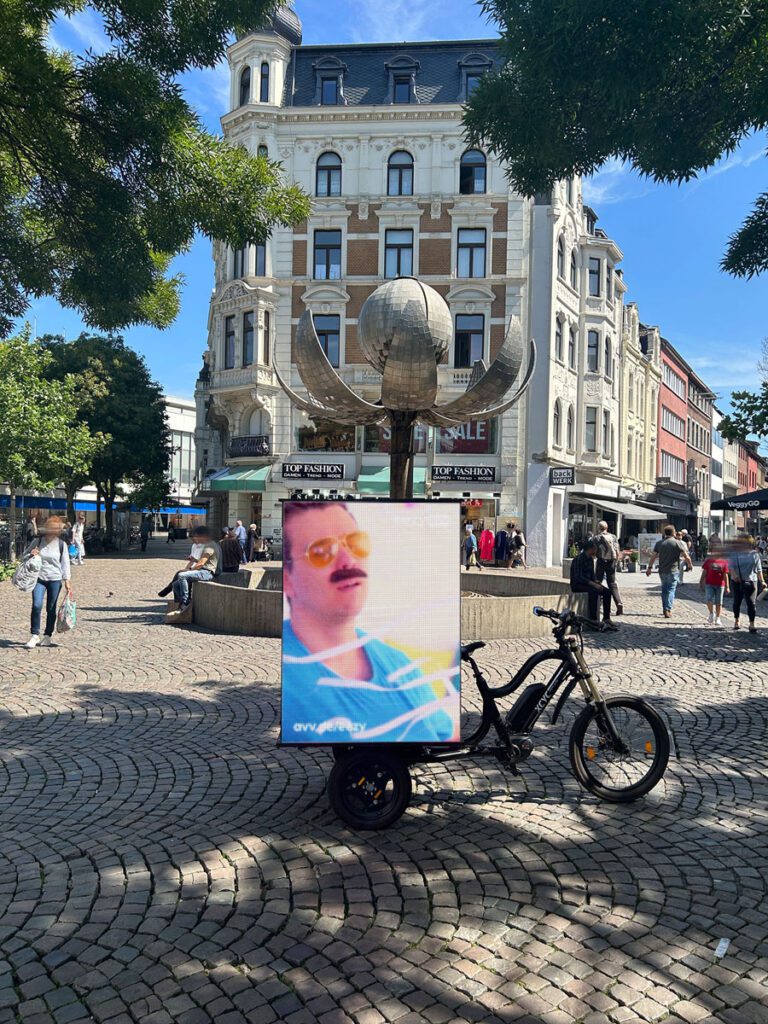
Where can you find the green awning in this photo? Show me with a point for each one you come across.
(375, 480)
(253, 479)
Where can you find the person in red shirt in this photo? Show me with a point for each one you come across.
(714, 576)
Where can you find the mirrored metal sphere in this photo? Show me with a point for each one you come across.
(409, 308)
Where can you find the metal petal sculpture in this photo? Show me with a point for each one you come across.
(405, 330)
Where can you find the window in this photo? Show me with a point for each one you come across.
(328, 328)
(593, 342)
(472, 83)
(608, 281)
(569, 429)
(472, 173)
(631, 398)
(398, 252)
(590, 429)
(574, 270)
(673, 467)
(241, 262)
(328, 255)
(606, 433)
(229, 343)
(673, 381)
(261, 259)
(671, 423)
(379, 439)
(401, 91)
(263, 151)
(470, 331)
(400, 174)
(245, 86)
(594, 275)
(630, 452)
(471, 252)
(247, 338)
(608, 364)
(613, 443)
(267, 339)
(319, 435)
(264, 87)
(329, 91)
(477, 438)
(561, 257)
(328, 175)
(572, 348)
(556, 420)
(558, 339)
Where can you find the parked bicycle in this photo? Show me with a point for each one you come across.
(618, 746)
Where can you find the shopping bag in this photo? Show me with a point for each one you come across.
(73, 550)
(67, 617)
(25, 577)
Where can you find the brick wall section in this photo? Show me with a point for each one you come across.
(500, 217)
(499, 264)
(435, 256)
(357, 296)
(497, 339)
(443, 223)
(300, 258)
(499, 306)
(297, 306)
(363, 257)
(352, 348)
(356, 226)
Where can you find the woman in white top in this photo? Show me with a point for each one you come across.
(55, 572)
(77, 537)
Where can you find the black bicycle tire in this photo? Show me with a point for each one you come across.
(652, 777)
(337, 781)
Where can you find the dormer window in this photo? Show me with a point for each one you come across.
(402, 73)
(245, 87)
(471, 70)
(329, 92)
(329, 82)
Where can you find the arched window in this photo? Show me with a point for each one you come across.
(574, 270)
(556, 423)
(569, 429)
(264, 83)
(328, 177)
(561, 257)
(245, 86)
(558, 339)
(263, 151)
(400, 174)
(608, 363)
(472, 173)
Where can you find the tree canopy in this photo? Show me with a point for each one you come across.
(670, 87)
(105, 171)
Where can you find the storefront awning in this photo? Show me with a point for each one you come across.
(375, 480)
(253, 479)
(626, 508)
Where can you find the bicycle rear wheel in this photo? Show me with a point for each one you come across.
(619, 772)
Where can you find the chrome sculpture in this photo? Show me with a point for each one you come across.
(405, 330)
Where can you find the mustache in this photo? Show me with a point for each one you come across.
(339, 575)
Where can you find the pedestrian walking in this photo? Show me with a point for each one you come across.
(703, 546)
(144, 532)
(171, 538)
(608, 552)
(714, 541)
(54, 573)
(252, 543)
(584, 581)
(78, 530)
(517, 548)
(669, 552)
(714, 579)
(470, 549)
(242, 537)
(745, 570)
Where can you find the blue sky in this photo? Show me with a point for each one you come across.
(672, 236)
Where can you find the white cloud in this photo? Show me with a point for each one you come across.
(378, 22)
(728, 373)
(615, 182)
(81, 31)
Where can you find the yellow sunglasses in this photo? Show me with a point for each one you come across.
(320, 553)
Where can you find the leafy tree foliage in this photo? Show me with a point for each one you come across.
(122, 402)
(106, 172)
(670, 87)
(749, 410)
(41, 439)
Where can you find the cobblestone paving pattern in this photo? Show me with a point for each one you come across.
(161, 860)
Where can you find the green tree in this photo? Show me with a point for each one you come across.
(669, 87)
(749, 409)
(105, 171)
(41, 437)
(123, 403)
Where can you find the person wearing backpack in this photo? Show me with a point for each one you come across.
(206, 568)
(54, 573)
(714, 576)
(607, 555)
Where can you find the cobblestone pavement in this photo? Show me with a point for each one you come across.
(161, 860)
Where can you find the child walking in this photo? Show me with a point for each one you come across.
(714, 577)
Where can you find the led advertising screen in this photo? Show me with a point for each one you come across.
(371, 622)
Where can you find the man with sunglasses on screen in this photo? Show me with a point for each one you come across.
(339, 684)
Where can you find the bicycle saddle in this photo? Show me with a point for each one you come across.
(468, 649)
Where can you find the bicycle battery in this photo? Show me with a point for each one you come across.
(523, 707)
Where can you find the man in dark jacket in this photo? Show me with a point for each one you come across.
(583, 581)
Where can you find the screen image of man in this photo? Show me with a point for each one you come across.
(341, 684)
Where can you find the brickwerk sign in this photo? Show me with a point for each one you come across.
(476, 474)
(313, 470)
(561, 476)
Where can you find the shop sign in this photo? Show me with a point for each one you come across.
(461, 474)
(313, 471)
(561, 476)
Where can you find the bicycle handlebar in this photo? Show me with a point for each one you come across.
(563, 618)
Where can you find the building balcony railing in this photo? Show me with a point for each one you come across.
(249, 446)
(447, 376)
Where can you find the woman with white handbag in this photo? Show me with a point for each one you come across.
(54, 572)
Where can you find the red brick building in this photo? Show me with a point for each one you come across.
(672, 492)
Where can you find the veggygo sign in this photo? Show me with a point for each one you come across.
(371, 640)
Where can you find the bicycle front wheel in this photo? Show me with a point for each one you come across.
(625, 770)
